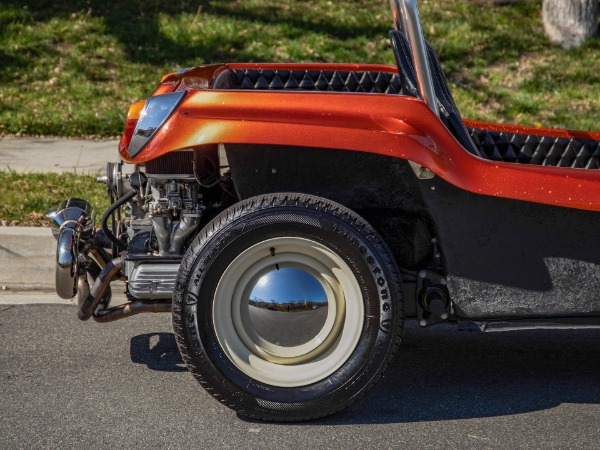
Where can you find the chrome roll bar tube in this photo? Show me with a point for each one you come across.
(407, 21)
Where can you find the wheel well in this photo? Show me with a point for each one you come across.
(379, 188)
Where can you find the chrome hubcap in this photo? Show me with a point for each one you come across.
(287, 307)
(288, 311)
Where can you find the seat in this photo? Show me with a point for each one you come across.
(308, 80)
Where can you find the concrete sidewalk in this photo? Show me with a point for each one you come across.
(57, 155)
(27, 254)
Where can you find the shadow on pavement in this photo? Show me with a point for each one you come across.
(158, 351)
(442, 374)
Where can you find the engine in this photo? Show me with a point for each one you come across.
(157, 228)
(156, 210)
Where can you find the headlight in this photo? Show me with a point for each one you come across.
(154, 115)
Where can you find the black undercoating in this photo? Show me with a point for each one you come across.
(504, 258)
(514, 259)
(381, 189)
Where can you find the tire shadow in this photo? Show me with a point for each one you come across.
(158, 351)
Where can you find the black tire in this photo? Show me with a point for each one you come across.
(361, 341)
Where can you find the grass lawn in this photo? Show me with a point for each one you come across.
(72, 67)
(24, 198)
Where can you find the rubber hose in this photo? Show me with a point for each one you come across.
(111, 209)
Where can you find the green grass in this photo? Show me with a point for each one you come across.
(71, 68)
(25, 197)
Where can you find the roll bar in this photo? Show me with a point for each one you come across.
(406, 20)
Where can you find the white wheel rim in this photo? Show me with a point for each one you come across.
(298, 365)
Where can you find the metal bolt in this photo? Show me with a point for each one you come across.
(422, 274)
(444, 316)
(423, 323)
(443, 281)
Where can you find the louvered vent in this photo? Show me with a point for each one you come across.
(172, 163)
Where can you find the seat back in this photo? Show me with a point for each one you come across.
(409, 86)
(308, 80)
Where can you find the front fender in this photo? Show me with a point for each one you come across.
(397, 126)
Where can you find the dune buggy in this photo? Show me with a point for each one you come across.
(292, 216)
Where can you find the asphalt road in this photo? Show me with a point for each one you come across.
(65, 383)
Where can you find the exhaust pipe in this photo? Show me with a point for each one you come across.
(131, 309)
(93, 302)
(88, 299)
(72, 226)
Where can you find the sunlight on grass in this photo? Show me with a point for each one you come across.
(24, 198)
(71, 68)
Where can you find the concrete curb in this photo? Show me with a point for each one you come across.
(27, 254)
(27, 257)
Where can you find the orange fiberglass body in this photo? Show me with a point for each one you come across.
(398, 126)
(292, 216)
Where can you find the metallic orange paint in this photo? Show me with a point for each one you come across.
(163, 88)
(397, 126)
(206, 72)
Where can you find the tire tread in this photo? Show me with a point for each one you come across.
(281, 200)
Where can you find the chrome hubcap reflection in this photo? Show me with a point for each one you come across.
(288, 311)
(287, 306)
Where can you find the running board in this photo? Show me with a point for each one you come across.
(558, 323)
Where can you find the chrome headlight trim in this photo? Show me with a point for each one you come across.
(154, 115)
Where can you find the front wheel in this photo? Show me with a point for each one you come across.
(287, 307)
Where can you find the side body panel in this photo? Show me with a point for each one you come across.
(504, 258)
(515, 259)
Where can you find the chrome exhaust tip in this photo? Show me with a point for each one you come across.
(72, 226)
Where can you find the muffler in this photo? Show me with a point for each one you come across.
(72, 226)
